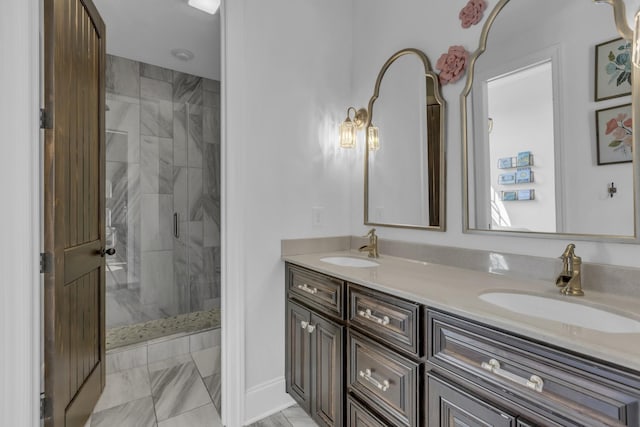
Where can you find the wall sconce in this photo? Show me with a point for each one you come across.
(349, 127)
(373, 138)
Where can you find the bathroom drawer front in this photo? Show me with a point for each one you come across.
(383, 379)
(579, 391)
(320, 291)
(389, 319)
(359, 416)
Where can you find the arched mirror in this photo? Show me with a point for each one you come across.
(404, 161)
(547, 122)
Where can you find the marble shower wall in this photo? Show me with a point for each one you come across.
(163, 158)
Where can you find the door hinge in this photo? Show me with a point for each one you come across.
(44, 119)
(44, 407)
(45, 262)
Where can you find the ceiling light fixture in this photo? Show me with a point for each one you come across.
(209, 6)
(182, 54)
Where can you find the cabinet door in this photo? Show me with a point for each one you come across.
(298, 355)
(327, 370)
(450, 406)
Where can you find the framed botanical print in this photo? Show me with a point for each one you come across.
(613, 69)
(614, 135)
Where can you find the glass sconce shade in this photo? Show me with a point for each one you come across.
(349, 128)
(373, 139)
(347, 134)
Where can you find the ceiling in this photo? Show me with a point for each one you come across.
(147, 31)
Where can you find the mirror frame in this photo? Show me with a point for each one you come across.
(620, 20)
(435, 145)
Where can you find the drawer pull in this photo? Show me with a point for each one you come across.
(311, 328)
(307, 289)
(384, 321)
(304, 324)
(534, 382)
(366, 374)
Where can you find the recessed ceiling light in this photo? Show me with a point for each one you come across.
(182, 54)
(209, 6)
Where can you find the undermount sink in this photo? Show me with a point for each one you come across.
(559, 310)
(345, 261)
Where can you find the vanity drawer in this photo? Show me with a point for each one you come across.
(534, 376)
(390, 319)
(320, 291)
(359, 416)
(383, 379)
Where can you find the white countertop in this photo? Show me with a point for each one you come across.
(456, 290)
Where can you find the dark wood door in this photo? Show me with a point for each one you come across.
(74, 52)
(327, 369)
(450, 406)
(298, 354)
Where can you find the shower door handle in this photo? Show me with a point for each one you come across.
(176, 227)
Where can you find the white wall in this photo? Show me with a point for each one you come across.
(381, 28)
(19, 223)
(288, 81)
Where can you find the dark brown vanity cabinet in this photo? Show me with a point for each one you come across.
(364, 358)
(315, 348)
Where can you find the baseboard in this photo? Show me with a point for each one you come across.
(266, 399)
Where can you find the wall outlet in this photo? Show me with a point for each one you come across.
(317, 216)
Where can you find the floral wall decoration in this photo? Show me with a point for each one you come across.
(452, 64)
(472, 13)
(614, 134)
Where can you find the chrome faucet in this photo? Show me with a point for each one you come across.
(570, 279)
(372, 247)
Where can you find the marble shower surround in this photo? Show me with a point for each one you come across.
(163, 157)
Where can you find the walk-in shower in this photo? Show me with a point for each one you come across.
(162, 200)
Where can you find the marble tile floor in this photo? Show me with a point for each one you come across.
(179, 391)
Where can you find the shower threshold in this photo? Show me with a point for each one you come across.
(183, 323)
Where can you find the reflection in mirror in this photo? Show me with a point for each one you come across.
(404, 170)
(531, 140)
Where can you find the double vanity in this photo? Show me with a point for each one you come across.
(391, 341)
(397, 342)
